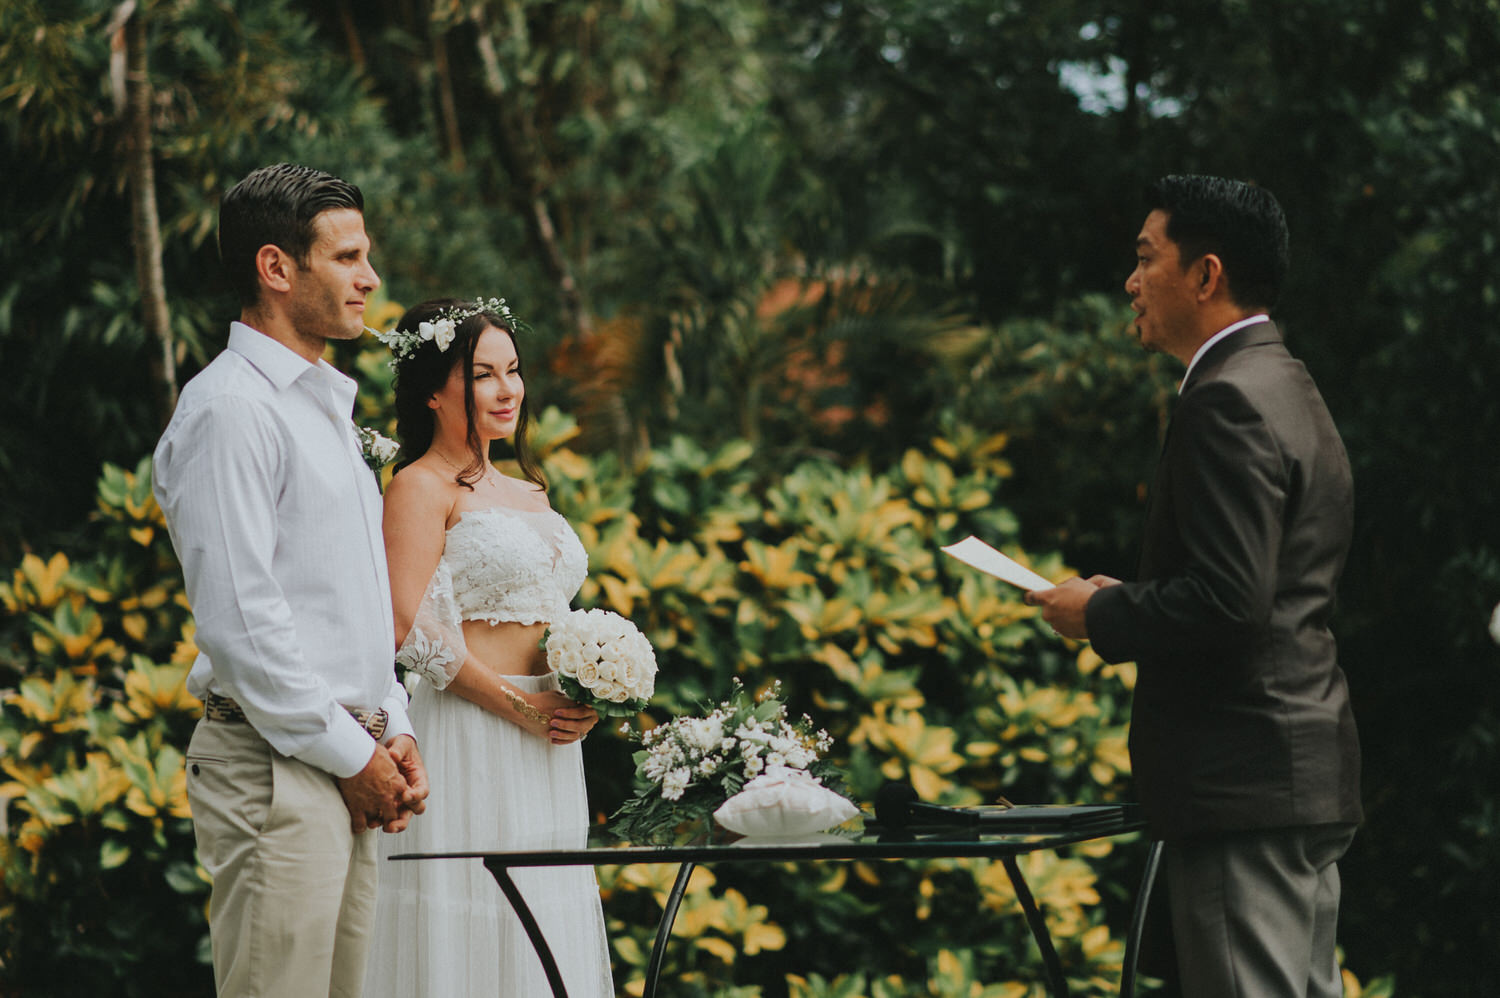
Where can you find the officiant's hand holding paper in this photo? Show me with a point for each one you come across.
(1065, 605)
(1062, 605)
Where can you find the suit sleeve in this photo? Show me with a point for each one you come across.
(1227, 484)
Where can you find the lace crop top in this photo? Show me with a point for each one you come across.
(499, 565)
(509, 565)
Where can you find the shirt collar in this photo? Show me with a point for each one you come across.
(282, 366)
(1233, 327)
(279, 363)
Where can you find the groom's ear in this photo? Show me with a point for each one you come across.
(432, 401)
(275, 267)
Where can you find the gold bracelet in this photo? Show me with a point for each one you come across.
(523, 708)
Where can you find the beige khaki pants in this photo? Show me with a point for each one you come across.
(293, 887)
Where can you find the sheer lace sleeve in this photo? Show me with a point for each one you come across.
(434, 647)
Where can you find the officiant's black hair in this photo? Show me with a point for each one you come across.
(1240, 223)
(276, 206)
(424, 371)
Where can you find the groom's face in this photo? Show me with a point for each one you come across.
(330, 288)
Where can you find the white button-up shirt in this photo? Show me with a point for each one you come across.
(276, 520)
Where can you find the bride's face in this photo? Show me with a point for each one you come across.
(498, 389)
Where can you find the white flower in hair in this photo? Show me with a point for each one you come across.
(441, 328)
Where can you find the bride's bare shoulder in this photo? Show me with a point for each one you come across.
(420, 490)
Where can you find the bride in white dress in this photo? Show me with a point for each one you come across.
(479, 564)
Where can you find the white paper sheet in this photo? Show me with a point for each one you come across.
(973, 551)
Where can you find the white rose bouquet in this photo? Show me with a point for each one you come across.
(690, 766)
(602, 660)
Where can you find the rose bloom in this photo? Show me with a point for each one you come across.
(569, 661)
(385, 450)
(588, 674)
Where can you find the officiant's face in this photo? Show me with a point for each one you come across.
(1161, 291)
(331, 286)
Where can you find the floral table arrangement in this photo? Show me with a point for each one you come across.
(743, 762)
(602, 660)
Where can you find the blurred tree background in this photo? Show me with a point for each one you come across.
(773, 249)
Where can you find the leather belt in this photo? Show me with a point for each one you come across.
(222, 708)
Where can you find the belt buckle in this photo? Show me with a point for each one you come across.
(373, 721)
(217, 707)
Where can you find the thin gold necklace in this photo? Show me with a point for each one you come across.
(484, 474)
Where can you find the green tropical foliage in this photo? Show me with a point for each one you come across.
(100, 890)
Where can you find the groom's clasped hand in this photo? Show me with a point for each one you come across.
(389, 790)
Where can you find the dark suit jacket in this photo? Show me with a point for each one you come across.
(1241, 717)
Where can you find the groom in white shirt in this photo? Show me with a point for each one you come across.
(305, 743)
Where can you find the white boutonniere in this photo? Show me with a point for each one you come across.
(378, 450)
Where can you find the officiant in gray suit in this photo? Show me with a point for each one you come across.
(1242, 741)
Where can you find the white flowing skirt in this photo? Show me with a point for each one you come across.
(443, 929)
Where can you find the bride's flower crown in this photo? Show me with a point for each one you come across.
(441, 327)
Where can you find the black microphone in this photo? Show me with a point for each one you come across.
(892, 803)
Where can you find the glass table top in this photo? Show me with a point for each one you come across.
(988, 832)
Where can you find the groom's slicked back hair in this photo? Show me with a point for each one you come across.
(1240, 223)
(276, 205)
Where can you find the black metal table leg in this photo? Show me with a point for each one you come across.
(1138, 922)
(664, 928)
(1057, 982)
(533, 930)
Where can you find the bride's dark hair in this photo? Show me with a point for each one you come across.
(424, 371)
